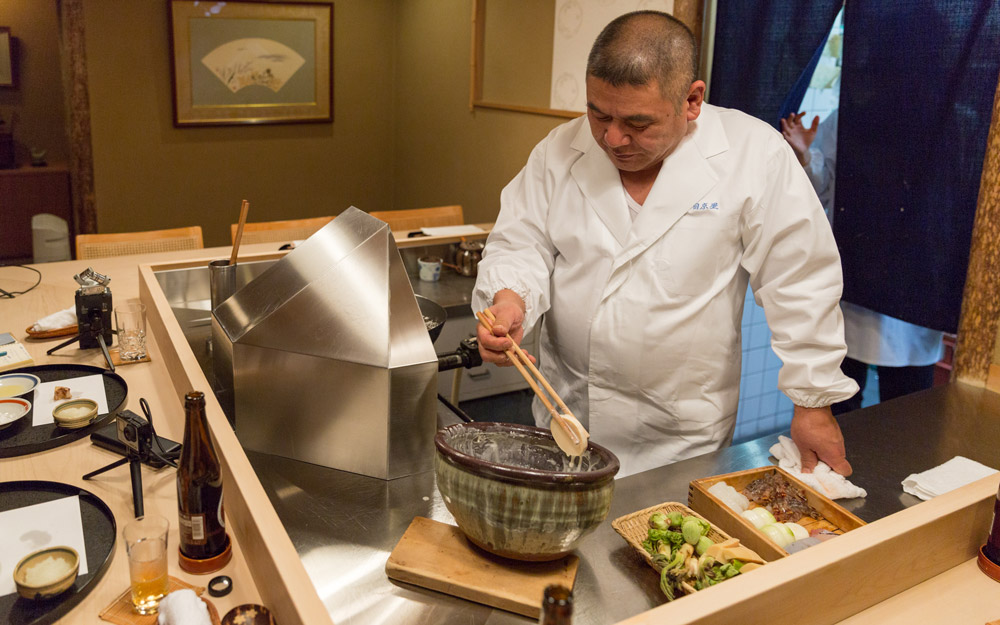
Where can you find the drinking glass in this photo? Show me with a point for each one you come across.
(130, 322)
(146, 544)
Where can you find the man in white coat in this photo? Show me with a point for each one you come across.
(635, 231)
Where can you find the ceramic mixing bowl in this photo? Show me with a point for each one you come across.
(515, 494)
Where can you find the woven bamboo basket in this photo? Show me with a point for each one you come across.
(634, 527)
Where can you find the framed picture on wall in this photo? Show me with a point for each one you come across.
(6, 58)
(251, 62)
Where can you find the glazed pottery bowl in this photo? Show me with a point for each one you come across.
(515, 494)
(47, 586)
(75, 414)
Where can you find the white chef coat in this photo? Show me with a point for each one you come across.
(872, 338)
(641, 334)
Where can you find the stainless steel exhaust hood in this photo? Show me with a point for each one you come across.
(330, 359)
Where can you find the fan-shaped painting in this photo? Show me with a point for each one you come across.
(255, 61)
(251, 62)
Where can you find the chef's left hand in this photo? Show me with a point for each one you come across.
(818, 437)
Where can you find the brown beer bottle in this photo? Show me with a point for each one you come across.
(992, 547)
(557, 606)
(199, 486)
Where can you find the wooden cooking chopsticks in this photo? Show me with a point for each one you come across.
(524, 365)
(244, 209)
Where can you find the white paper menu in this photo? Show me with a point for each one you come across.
(24, 530)
(86, 387)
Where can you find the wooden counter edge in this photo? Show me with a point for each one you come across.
(279, 574)
(842, 577)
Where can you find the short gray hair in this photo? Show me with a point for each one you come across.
(645, 46)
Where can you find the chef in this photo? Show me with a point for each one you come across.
(635, 230)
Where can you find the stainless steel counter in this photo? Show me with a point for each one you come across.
(344, 526)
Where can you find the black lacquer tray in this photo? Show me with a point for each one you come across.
(99, 532)
(22, 438)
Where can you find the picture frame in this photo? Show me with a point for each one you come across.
(250, 62)
(7, 73)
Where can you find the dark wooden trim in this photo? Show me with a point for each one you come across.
(73, 50)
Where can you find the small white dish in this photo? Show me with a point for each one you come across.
(15, 384)
(12, 409)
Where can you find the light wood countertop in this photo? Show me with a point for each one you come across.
(69, 462)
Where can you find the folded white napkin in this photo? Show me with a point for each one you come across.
(183, 607)
(452, 231)
(823, 479)
(61, 319)
(958, 471)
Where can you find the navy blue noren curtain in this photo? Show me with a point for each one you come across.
(762, 48)
(916, 97)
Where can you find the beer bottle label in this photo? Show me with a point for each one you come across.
(192, 527)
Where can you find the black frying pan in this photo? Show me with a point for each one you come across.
(434, 316)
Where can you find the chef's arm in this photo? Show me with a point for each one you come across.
(818, 438)
(508, 310)
(513, 276)
(794, 267)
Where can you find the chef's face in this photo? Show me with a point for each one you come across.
(636, 126)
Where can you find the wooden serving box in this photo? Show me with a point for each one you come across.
(833, 517)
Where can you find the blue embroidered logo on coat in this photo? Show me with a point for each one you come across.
(705, 206)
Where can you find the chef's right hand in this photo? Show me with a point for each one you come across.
(508, 308)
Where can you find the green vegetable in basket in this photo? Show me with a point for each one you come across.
(703, 544)
(693, 529)
(675, 518)
(667, 536)
(666, 584)
(659, 521)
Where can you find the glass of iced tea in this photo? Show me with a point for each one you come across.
(146, 544)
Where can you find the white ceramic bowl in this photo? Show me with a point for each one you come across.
(12, 409)
(16, 384)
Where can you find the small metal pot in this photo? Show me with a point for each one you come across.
(468, 256)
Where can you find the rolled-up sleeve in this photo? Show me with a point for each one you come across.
(519, 254)
(795, 272)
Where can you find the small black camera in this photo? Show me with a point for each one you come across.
(93, 308)
(135, 433)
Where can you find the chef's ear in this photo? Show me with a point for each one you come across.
(693, 100)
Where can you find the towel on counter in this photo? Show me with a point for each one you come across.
(55, 321)
(823, 479)
(958, 471)
(183, 607)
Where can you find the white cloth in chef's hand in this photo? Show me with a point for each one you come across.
(61, 319)
(183, 607)
(823, 479)
(958, 471)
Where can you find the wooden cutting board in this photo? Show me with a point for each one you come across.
(438, 556)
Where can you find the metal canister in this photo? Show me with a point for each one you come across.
(468, 256)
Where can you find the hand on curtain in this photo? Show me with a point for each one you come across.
(798, 136)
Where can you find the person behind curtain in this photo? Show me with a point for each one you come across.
(904, 354)
(635, 231)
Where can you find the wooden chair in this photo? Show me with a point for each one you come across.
(129, 243)
(414, 218)
(279, 231)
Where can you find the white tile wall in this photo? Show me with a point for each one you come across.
(763, 408)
